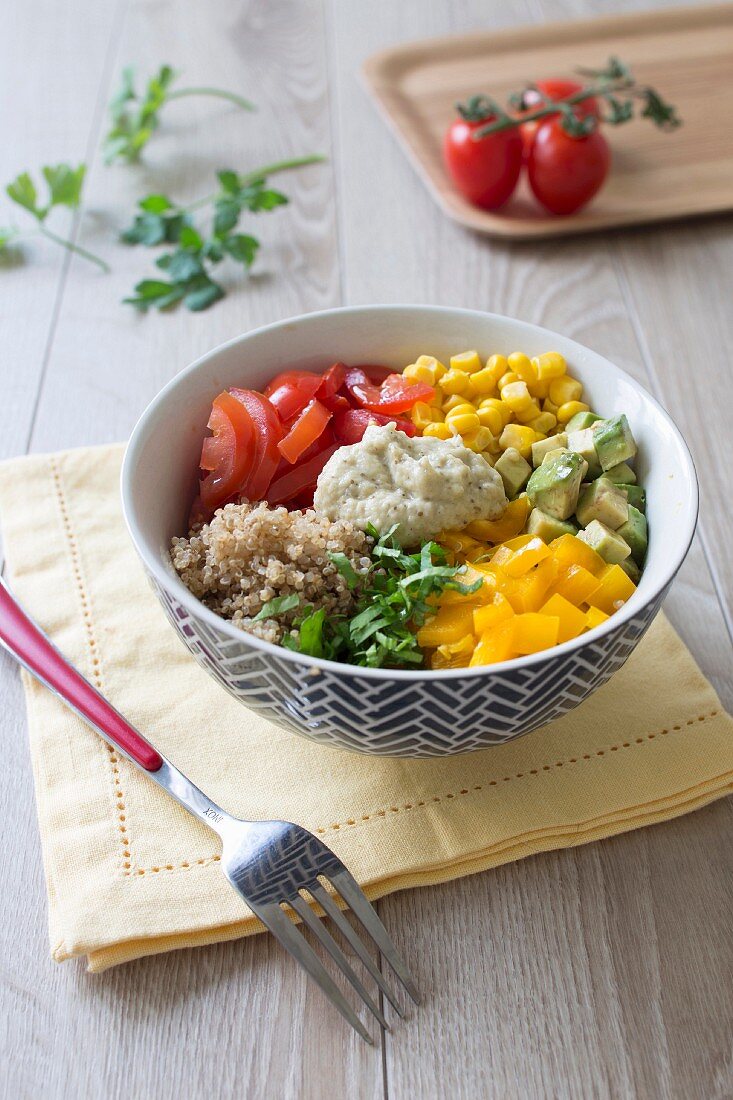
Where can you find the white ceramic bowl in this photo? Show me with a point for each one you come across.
(397, 713)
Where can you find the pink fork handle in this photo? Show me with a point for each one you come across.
(29, 645)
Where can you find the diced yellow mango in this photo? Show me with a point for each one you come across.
(506, 527)
(572, 621)
(570, 550)
(525, 557)
(491, 614)
(495, 645)
(576, 584)
(456, 655)
(594, 617)
(451, 624)
(534, 632)
(614, 589)
(528, 593)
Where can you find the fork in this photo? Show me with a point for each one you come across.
(271, 864)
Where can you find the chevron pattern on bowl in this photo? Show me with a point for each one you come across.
(398, 718)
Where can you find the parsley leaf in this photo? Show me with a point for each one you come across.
(135, 118)
(64, 185)
(278, 606)
(159, 220)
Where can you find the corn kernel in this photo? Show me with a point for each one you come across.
(483, 382)
(454, 381)
(544, 423)
(522, 367)
(437, 431)
(467, 361)
(565, 389)
(459, 410)
(463, 423)
(490, 418)
(550, 365)
(436, 414)
(432, 364)
(525, 416)
(495, 403)
(539, 390)
(489, 457)
(518, 436)
(420, 415)
(549, 406)
(453, 402)
(477, 440)
(416, 373)
(570, 408)
(498, 365)
(507, 379)
(516, 396)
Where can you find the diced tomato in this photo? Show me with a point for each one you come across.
(300, 479)
(229, 454)
(395, 395)
(268, 434)
(336, 402)
(332, 381)
(326, 439)
(349, 426)
(291, 391)
(305, 430)
(375, 372)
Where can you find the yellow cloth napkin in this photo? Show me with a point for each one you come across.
(130, 873)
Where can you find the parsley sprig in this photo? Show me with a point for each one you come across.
(135, 118)
(64, 185)
(189, 265)
(394, 600)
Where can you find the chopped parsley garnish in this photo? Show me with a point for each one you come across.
(393, 602)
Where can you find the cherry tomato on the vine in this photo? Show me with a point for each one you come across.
(552, 91)
(566, 172)
(484, 171)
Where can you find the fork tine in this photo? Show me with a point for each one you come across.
(293, 941)
(352, 894)
(317, 927)
(332, 910)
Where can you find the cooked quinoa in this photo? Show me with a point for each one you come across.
(250, 554)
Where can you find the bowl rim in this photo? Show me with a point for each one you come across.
(178, 591)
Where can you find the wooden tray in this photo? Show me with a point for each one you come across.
(686, 53)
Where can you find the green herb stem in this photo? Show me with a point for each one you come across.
(218, 93)
(261, 173)
(75, 248)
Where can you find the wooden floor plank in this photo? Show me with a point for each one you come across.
(553, 976)
(236, 1019)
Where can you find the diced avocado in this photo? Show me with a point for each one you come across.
(634, 531)
(549, 455)
(554, 486)
(636, 496)
(604, 501)
(614, 441)
(631, 569)
(609, 544)
(580, 421)
(621, 474)
(548, 527)
(514, 471)
(542, 446)
(582, 442)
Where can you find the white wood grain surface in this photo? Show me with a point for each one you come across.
(605, 971)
